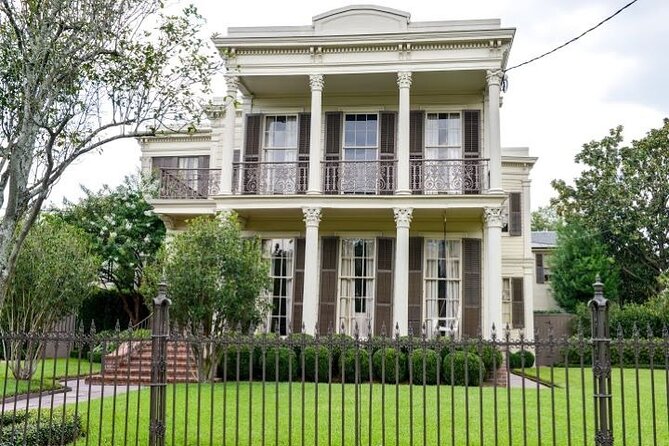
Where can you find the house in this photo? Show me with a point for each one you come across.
(543, 244)
(364, 149)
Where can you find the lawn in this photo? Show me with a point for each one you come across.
(46, 377)
(551, 416)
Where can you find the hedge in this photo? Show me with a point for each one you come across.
(492, 358)
(384, 362)
(348, 358)
(287, 363)
(457, 363)
(629, 358)
(67, 429)
(428, 358)
(241, 351)
(516, 359)
(310, 355)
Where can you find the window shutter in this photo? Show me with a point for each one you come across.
(252, 153)
(416, 143)
(472, 151)
(327, 306)
(515, 214)
(303, 145)
(539, 263)
(415, 310)
(333, 122)
(471, 287)
(298, 287)
(203, 176)
(387, 143)
(383, 310)
(517, 303)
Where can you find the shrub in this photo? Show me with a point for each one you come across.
(349, 358)
(431, 360)
(454, 367)
(445, 345)
(385, 359)
(516, 359)
(269, 340)
(287, 364)
(58, 431)
(340, 343)
(491, 357)
(310, 355)
(299, 339)
(243, 351)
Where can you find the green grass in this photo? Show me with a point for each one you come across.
(46, 376)
(547, 412)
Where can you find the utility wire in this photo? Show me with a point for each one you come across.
(575, 38)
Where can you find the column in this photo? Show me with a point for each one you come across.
(401, 284)
(492, 302)
(229, 135)
(528, 262)
(494, 80)
(316, 83)
(404, 84)
(312, 218)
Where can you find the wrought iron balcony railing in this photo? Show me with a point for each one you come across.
(359, 177)
(449, 176)
(270, 178)
(188, 183)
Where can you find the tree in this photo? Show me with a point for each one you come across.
(55, 271)
(623, 195)
(545, 219)
(575, 263)
(76, 75)
(216, 278)
(125, 233)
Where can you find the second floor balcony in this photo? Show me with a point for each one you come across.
(337, 177)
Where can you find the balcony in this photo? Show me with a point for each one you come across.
(448, 176)
(270, 178)
(359, 177)
(188, 183)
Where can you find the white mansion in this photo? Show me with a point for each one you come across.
(364, 149)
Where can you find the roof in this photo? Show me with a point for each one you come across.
(544, 239)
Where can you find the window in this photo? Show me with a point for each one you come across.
(280, 146)
(512, 218)
(280, 253)
(443, 168)
(442, 285)
(513, 304)
(542, 262)
(188, 172)
(360, 172)
(356, 289)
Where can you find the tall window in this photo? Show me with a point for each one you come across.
(356, 289)
(281, 148)
(188, 172)
(443, 147)
(280, 253)
(513, 305)
(360, 145)
(442, 285)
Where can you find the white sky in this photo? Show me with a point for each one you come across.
(615, 75)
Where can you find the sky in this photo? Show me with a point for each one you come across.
(613, 76)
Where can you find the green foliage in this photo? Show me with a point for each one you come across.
(621, 195)
(492, 358)
(430, 360)
(340, 343)
(579, 257)
(52, 429)
(545, 219)
(287, 366)
(299, 340)
(310, 367)
(521, 359)
(109, 340)
(632, 352)
(235, 355)
(391, 362)
(105, 308)
(463, 369)
(126, 235)
(349, 358)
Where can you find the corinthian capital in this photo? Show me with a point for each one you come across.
(494, 77)
(232, 81)
(316, 82)
(404, 79)
(403, 217)
(493, 216)
(312, 216)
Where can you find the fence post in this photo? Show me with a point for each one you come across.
(601, 366)
(159, 333)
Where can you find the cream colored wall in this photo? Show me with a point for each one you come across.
(543, 296)
(513, 255)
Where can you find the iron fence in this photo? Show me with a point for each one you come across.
(249, 387)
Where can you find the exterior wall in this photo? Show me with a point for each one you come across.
(543, 296)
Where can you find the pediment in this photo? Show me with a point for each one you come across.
(361, 19)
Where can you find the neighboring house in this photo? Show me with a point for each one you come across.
(364, 149)
(543, 244)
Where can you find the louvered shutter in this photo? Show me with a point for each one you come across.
(252, 141)
(471, 286)
(539, 263)
(383, 309)
(416, 145)
(327, 305)
(517, 303)
(303, 144)
(333, 123)
(472, 151)
(415, 310)
(387, 142)
(298, 287)
(515, 214)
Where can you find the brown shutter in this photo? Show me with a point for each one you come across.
(471, 286)
(415, 310)
(327, 306)
(298, 286)
(517, 302)
(539, 263)
(416, 142)
(383, 310)
(515, 214)
(333, 123)
(252, 152)
(203, 175)
(472, 150)
(304, 135)
(387, 143)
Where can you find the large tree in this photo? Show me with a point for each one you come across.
(545, 219)
(75, 75)
(622, 195)
(125, 233)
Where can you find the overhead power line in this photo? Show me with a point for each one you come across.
(575, 38)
